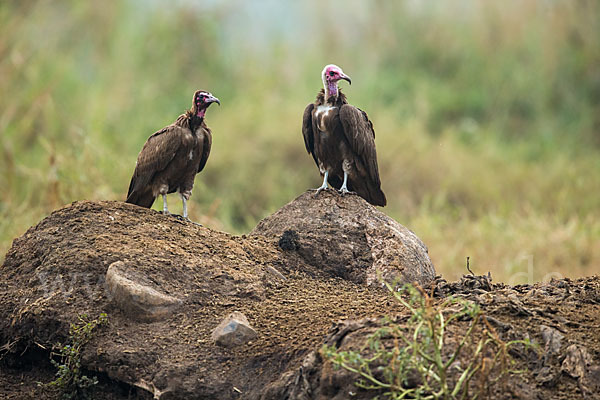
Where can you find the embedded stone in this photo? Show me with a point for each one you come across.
(138, 300)
(233, 331)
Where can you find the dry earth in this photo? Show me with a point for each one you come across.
(305, 276)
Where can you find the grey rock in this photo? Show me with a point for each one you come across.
(136, 299)
(552, 339)
(233, 331)
(347, 237)
(580, 364)
(275, 274)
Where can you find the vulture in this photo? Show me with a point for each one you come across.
(171, 157)
(341, 140)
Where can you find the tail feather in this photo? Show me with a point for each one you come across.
(142, 199)
(369, 191)
(377, 197)
(139, 194)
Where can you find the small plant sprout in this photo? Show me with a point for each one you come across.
(70, 383)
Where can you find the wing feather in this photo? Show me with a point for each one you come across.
(359, 132)
(158, 151)
(307, 131)
(205, 147)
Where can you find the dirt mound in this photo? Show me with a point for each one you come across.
(57, 271)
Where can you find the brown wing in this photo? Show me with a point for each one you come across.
(205, 147)
(359, 132)
(157, 153)
(307, 131)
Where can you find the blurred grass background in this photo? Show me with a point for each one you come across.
(487, 114)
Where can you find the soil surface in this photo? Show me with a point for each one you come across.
(55, 272)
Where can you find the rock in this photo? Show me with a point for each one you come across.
(137, 300)
(579, 364)
(552, 339)
(233, 331)
(347, 237)
(576, 361)
(272, 277)
(549, 375)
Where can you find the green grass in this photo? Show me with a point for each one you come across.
(487, 117)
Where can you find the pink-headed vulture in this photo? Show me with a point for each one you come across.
(341, 139)
(171, 157)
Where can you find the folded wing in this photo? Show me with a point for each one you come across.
(360, 134)
(158, 151)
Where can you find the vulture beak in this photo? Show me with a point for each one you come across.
(346, 78)
(212, 99)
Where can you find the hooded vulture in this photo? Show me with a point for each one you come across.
(341, 139)
(171, 158)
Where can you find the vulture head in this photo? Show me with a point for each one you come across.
(201, 102)
(331, 75)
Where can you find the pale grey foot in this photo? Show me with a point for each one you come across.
(185, 214)
(184, 200)
(324, 185)
(344, 188)
(165, 208)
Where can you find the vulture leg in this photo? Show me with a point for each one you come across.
(324, 185)
(185, 196)
(165, 208)
(183, 199)
(344, 188)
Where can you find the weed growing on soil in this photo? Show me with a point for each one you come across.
(418, 359)
(70, 382)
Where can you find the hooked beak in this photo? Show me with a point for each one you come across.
(346, 78)
(212, 99)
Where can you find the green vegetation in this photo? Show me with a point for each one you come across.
(414, 359)
(70, 383)
(487, 115)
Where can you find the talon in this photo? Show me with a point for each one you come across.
(324, 185)
(344, 189)
(319, 190)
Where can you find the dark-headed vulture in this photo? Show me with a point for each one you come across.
(171, 158)
(341, 139)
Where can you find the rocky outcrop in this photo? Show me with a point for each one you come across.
(348, 237)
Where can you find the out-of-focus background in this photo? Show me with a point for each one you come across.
(487, 114)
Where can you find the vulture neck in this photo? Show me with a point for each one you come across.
(338, 100)
(331, 88)
(190, 120)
